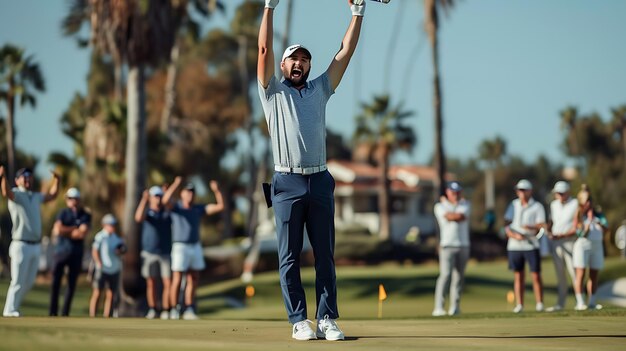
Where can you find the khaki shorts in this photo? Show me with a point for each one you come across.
(153, 264)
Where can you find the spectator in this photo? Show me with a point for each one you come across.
(187, 257)
(523, 219)
(69, 231)
(620, 238)
(452, 214)
(562, 235)
(588, 250)
(156, 245)
(107, 248)
(24, 250)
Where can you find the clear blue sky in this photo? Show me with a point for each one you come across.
(508, 67)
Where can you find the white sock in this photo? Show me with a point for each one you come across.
(579, 299)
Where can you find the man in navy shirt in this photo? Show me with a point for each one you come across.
(156, 245)
(187, 254)
(69, 231)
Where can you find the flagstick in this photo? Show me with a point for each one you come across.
(380, 308)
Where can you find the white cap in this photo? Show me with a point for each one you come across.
(293, 48)
(524, 184)
(560, 187)
(72, 193)
(156, 190)
(109, 219)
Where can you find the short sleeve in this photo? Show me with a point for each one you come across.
(541, 213)
(266, 93)
(97, 241)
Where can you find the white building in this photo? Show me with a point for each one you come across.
(356, 198)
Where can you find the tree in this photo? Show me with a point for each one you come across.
(432, 9)
(188, 30)
(382, 128)
(140, 34)
(619, 126)
(20, 77)
(491, 152)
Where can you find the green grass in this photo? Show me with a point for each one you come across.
(259, 322)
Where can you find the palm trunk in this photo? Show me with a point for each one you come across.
(10, 135)
(135, 183)
(432, 29)
(170, 89)
(384, 192)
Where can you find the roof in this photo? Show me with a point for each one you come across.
(364, 177)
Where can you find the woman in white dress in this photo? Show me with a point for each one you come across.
(588, 250)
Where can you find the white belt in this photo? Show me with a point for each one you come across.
(300, 170)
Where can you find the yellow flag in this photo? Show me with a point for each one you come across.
(382, 295)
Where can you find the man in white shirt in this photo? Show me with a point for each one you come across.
(523, 219)
(562, 235)
(452, 214)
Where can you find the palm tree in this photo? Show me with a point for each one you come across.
(573, 145)
(491, 151)
(20, 77)
(188, 31)
(382, 128)
(140, 34)
(432, 9)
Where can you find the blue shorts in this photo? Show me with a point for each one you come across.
(517, 259)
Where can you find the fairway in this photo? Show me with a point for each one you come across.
(552, 333)
(230, 321)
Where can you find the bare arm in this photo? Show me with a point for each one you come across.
(219, 205)
(6, 189)
(140, 212)
(510, 233)
(96, 257)
(341, 60)
(265, 64)
(167, 197)
(80, 233)
(54, 189)
(455, 217)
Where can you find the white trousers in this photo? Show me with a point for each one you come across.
(24, 265)
(562, 251)
(452, 262)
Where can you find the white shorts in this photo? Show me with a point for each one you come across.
(153, 264)
(187, 257)
(588, 254)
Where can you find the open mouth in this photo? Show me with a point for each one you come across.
(296, 73)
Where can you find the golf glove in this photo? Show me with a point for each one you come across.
(358, 7)
(270, 4)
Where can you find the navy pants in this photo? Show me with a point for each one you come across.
(74, 264)
(299, 201)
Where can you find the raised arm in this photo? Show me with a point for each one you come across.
(219, 205)
(6, 189)
(54, 189)
(140, 212)
(169, 193)
(341, 60)
(265, 64)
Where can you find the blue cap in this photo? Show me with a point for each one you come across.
(156, 190)
(109, 219)
(23, 172)
(455, 186)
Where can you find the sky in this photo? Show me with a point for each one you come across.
(507, 67)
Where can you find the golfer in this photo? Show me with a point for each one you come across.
(302, 188)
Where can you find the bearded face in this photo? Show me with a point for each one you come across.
(296, 68)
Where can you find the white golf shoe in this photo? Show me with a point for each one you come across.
(302, 331)
(190, 314)
(518, 309)
(328, 329)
